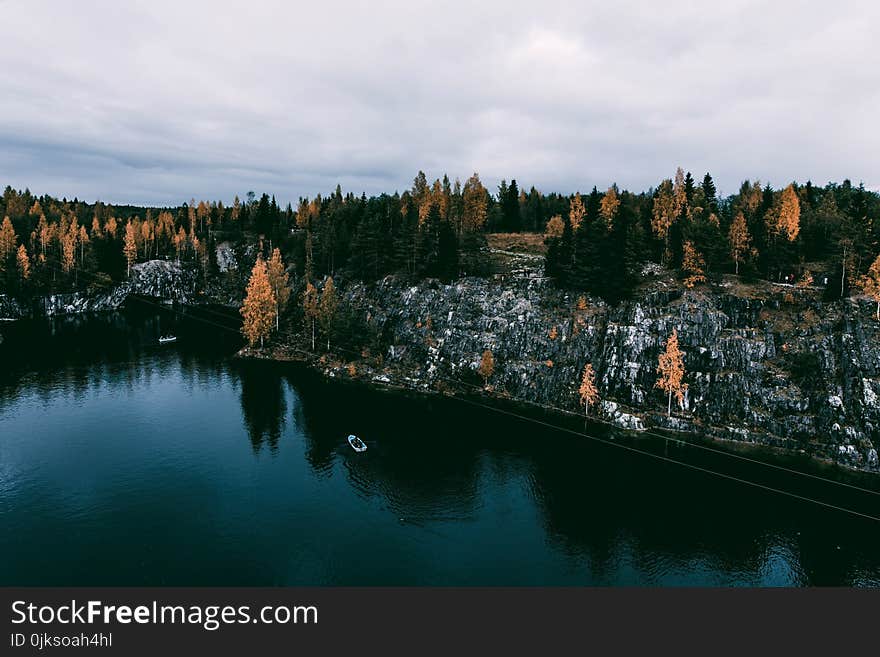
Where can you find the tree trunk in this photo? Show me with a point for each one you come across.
(669, 405)
(737, 266)
(313, 335)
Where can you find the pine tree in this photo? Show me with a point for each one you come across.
(512, 221)
(620, 257)
(710, 192)
(487, 366)
(279, 280)
(258, 309)
(689, 187)
(670, 367)
(589, 394)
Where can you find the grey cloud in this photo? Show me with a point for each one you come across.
(159, 102)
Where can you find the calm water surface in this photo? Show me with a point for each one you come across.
(126, 463)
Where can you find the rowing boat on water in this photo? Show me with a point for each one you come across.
(357, 444)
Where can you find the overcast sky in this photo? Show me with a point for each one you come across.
(157, 102)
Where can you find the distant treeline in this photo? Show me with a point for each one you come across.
(597, 241)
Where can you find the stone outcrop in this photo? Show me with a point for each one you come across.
(779, 368)
(157, 279)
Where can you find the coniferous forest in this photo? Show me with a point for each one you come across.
(597, 241)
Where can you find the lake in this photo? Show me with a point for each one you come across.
(123, 462)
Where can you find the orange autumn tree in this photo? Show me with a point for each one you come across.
(663, 214)
(787, 215)
(670, 367)
(487, 366)
(24, 263)
(310, 307)
(280, 282)
(327, 308)
(576, 212)
(7, 241)
(870, 283)
(609, 204)
(258, 309)
(475, 202)
(693, 264)
(129, 247)
(588, 392)
(739, 239)
(555, 227)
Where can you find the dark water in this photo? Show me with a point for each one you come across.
(122, 462)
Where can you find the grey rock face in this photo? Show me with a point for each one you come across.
(800, 375)
(10, 308)
(158, 279)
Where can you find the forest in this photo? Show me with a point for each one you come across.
(597, 242)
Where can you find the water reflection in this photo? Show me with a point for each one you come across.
(263, 406)
(446, 493)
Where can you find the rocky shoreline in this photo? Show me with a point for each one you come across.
(766, 365)
(772, 367)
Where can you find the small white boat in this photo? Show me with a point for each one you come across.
(164, 339)
(357, 444)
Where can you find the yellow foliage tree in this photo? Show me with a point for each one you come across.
(179, 242)
(576, 212)
(68, 249)
(787, 214)
(555, 227)
(609, 204)
(693, 264)
(679, 193)
(870, 283)
(258, 309)
(327, 308)
(129, 246)
(475, 204)
(588, 392)
(487, 366)
(7, 240)
(670, 367)
(310, 307)
(83, 239)
(280, 282)
(24, 263)
(663, 214)
(806, 280)
(739, 239)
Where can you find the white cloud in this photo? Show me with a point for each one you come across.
(161, 101)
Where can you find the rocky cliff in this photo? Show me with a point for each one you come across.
(157, 279)
(765, 364)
